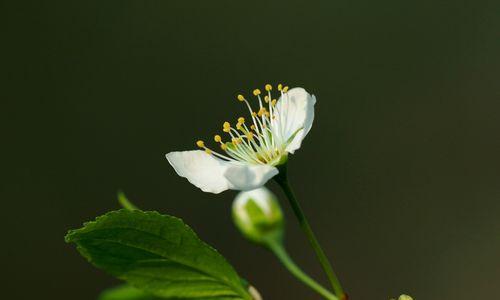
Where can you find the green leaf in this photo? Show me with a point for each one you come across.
(158, 254)
(126, 292)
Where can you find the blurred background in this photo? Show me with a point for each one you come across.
(400, 174)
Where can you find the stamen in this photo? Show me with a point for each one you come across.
(252, 113)
(263, 139)
(262, 111)
(249, 136)
(209, 151)
(243, 147)
(239, 154)
(201, 144)
(260, 142)
(269, 97)
(236, 141)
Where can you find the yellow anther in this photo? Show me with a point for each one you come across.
(226, 125)
(280, 87)
(269, 87)
(254, 114)
(217, 138)
(226, 129)
(252, 127)
(268, 114)
(208, 151)
(256, 92)
(249, 136)
(266, 99)
(223, 147)
(261, 111)
(241, 120)
(273, 103)
(241, 98)
(238, 126)
(200, 144)
(285, 89)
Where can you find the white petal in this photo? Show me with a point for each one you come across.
(295, 111)
(244, 177)
(214, 175)
(201, 169)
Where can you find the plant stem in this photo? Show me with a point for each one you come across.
(125, 203)
(278, 249)
(282, 180)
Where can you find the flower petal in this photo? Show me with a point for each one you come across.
(244, 177)
(201, 169)
(214, 175)
(295, 111)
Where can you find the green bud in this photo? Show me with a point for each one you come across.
(403, 297)
(258, 216)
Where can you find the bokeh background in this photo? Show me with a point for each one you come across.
(400, 174)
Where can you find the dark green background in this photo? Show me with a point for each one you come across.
(400, 174)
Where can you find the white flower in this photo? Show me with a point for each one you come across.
(250, 157)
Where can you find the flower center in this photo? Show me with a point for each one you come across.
(259, 142)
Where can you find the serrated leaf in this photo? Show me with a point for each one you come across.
(158, 254)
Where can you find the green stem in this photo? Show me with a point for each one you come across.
(282, 180)
(277, 248)
(125, 203)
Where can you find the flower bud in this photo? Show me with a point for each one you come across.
(258, 216)
(404, 297)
